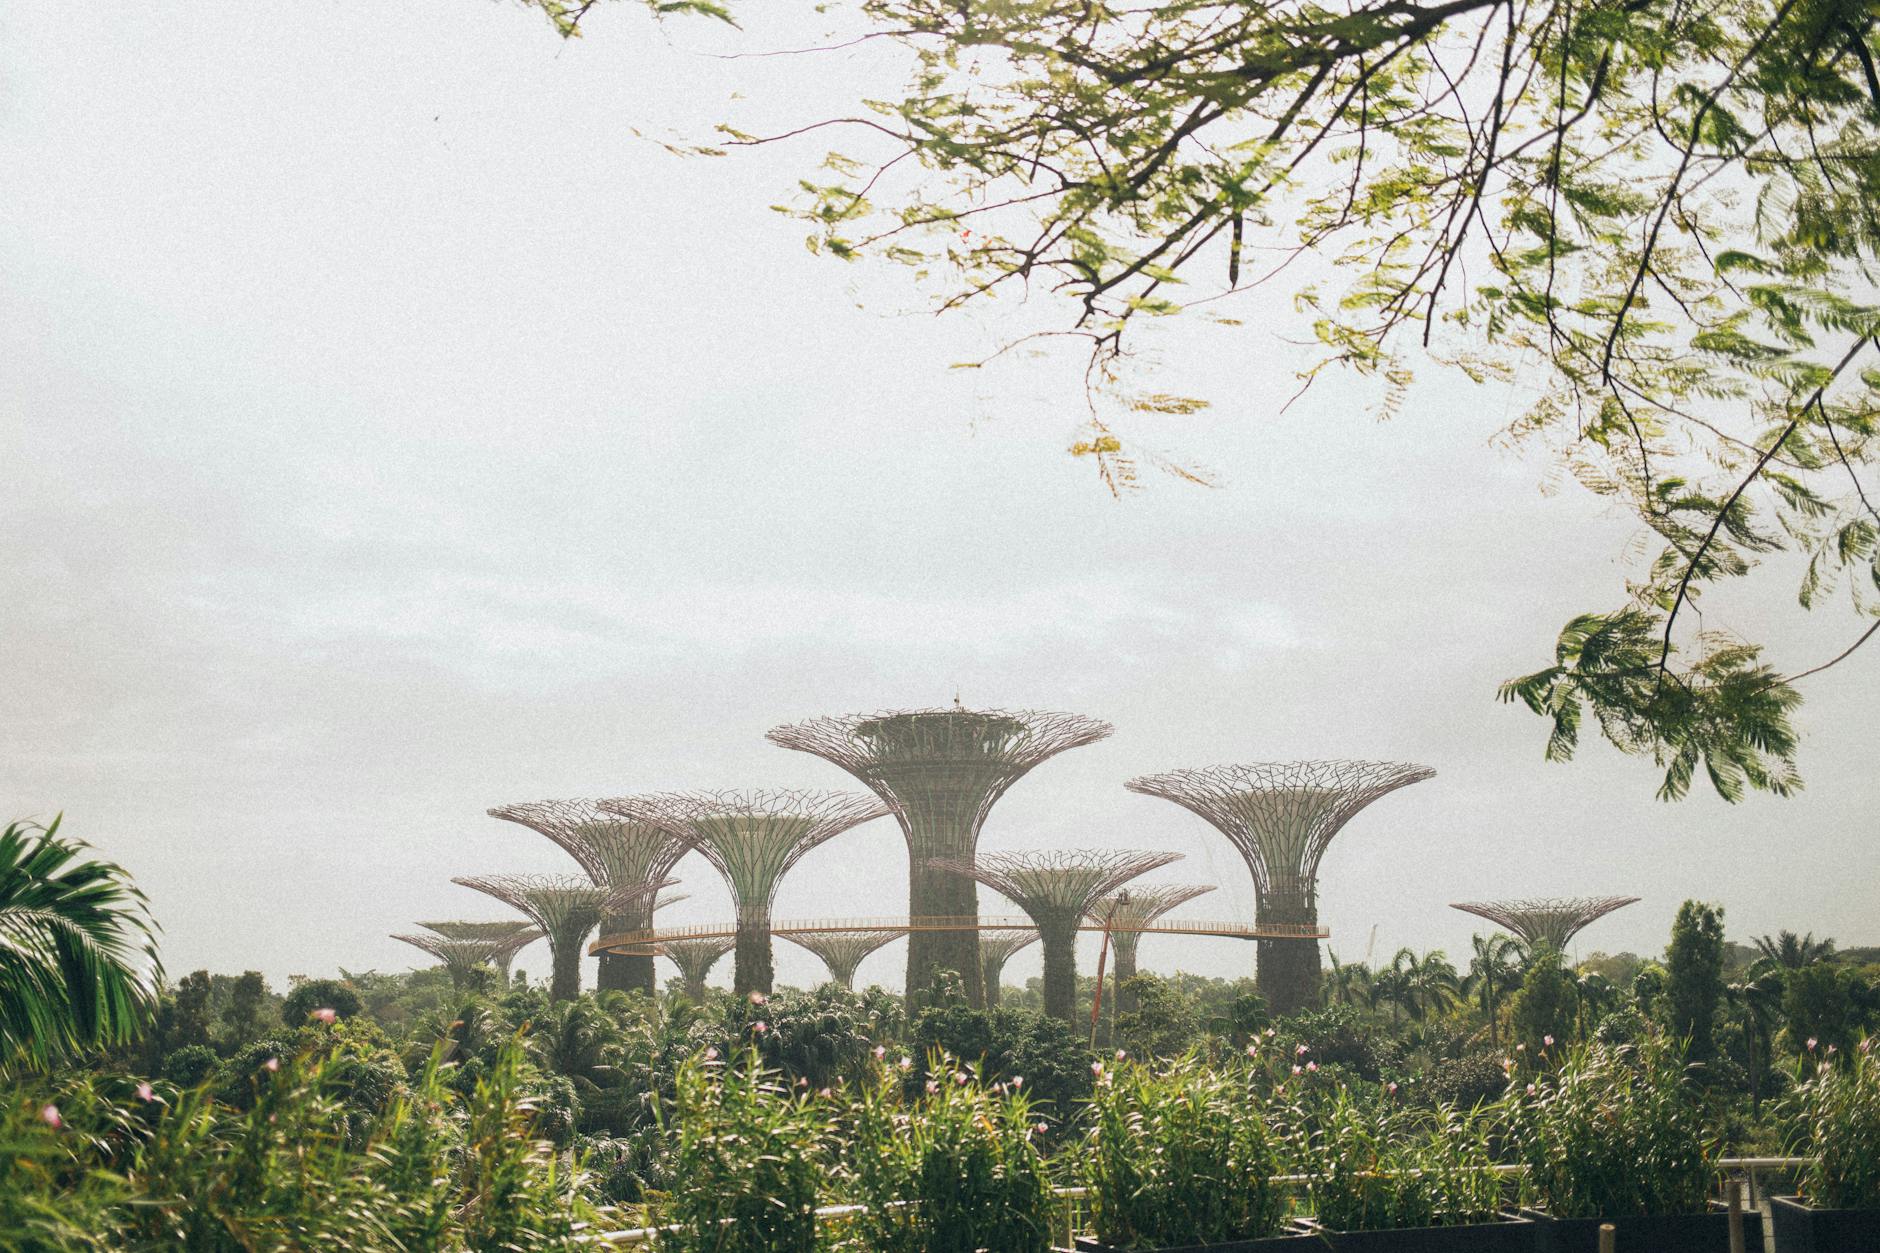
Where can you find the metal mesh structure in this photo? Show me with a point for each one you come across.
(842, 951)
(615, 852)
(695, 959)
(940, 772)
(1550, 923)
(566, 908)
(1282, 816)
(996, 946)
(1056, 887)
(461, 957)
(496, 929)
(753, 838)
(1127, 912)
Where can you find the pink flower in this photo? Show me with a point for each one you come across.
(881, 1051)
(1297, 1070)
(1392, 1089)
(906, 1063)
(1269, 1033)
(324, 1015)
(1520, 1048)
(1547, 1040)
(50, 1116)
(933, 1086)
(711, 1054)
(1096, 1068)
(959, 1077)
(146, 1093)
(760, 1027)
(1121, 1055)
(1301, 1051)
(1018, 1081)
(1811, 1043)
(1253, 1050)
(1312, 1066)
(271, 1065)
(823, 1093)
(1040, 1128)
(1531, 1089)
(757, 998)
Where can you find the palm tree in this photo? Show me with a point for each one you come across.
(1494, 968)
(1792, 952)
(1350, 983)
(78, 955)
(1435, 983)
(1593, 994)
(1760, 998)
(578, 1039)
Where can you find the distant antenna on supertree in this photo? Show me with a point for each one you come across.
(1055, 888)
(1281, 815)
(695, 959)
(753, 838)
(1549, 923)
(842, 951)
(996, 946)
(462, 957)
(494, 929)
(566, 908)
(615, 852)
(940, 771)
(1127, 912)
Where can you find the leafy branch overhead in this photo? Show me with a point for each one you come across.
(1672, 205)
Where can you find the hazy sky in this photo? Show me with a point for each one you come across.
(390, 433)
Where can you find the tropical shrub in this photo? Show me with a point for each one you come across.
(1838, 1127)
(312, 995)
(953, 1170)
(1004, 1043)
(1614, 1131)
(1179, 1155)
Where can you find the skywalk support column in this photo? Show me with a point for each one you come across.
(1282, 815)
(1127, 912)
(940, 772)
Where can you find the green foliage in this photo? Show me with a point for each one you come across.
(1838, 1129)
(1542, 1010)
(1612, 1131)
(1818, 1006)
(73, 935)
(1164, 1022)
(1179, 1154)
(748, 1151)
(820, 1036)
(1005, 1043)
(312, 995)
(190, 1065)
(1694, 977)
(953, 1170)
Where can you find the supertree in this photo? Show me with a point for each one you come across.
(1126, 913)
(1550, 923)
(1055, 887)
(753, 838)
(996, 946)
(566, 908)
(461, 957)
(1281, 815)
(940, 771)
(615, 852)
(695, 959)
(490, 929)
(843, 951)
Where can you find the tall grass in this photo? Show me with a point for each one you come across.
(1838, 1125)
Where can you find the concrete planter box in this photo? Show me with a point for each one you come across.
(1647, 1233)
(1801, 1228)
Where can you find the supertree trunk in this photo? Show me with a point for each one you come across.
(1124, 947)
(695, 989)
(1060, 972)
(994, 992)
(627, 972)
(1288, 970)
(753, 969)
(565, 981)
(939, 893)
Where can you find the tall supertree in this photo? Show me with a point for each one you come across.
(1281, 815)
(490, 929)
(843, 951)
(1126, 913)
(695, 959)
(616, 852)
(996, 946)
(1055, 887)
(566, 907)
(461, 957)
(753, 838)
(1550, 923)
(940, 771)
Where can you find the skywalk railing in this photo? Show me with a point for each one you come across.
(652, 937)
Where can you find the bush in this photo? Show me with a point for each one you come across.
(1179, 1155)
(190, 1065)
(1339, 1036)
(1004, 1043)
(314, 994)
(1838, 1125)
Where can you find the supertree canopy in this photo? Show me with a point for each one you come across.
(566, 908)
(843, 950)
(695, 959)
(1548, 923)
(996, 946)
(615, 852)
(461, 957)
(753, 838)
(1282, 815)
(940, 771)
(1056, 887)
(494, 929)
(1126, 912)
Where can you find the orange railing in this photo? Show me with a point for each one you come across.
(652, 938)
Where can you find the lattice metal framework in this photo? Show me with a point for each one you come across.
(843, 951)
(941, 771)
(1055, 887)
(1127, 912)
(1282, 816)
(615, 852)
(695, 959)
(566, 908)
(753, 838)
(461, 956)
(1551, 922)
(996, 946)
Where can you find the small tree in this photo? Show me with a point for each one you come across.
(311, 994)
(1544, 1006)
(241, 1017)
(1694, 977)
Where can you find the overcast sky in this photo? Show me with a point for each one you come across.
(390, 433)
